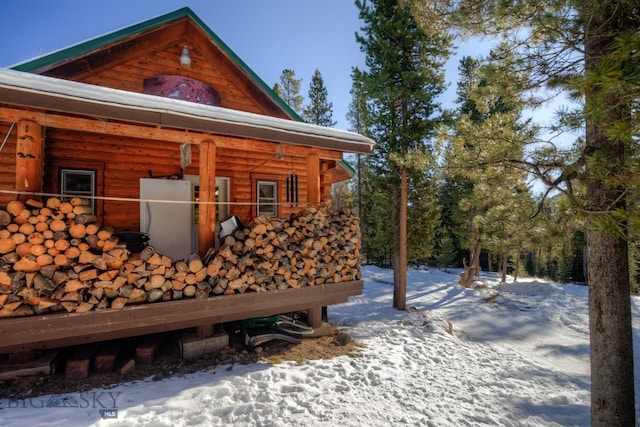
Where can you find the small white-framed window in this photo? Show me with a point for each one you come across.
(78, 183)
(267, 192)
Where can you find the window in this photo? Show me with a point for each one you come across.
(222, 209)
(78, 183)
(222, 197)
(267, 198)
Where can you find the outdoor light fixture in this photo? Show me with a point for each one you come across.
(185, 58)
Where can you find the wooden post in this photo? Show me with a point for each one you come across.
(207, 211)
(205, 331)
(314, 316)
(313, 179)
(29, 158)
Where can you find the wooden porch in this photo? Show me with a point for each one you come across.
(68, 329)
(85, 112)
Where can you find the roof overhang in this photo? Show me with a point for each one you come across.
(63, 96)
(340, 171)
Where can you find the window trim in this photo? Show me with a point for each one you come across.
(90, 195)
(53, 186)
(271, 201)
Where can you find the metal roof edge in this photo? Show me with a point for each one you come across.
(347, 166)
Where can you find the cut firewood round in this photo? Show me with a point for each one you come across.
(15, 207)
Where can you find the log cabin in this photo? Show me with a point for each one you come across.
(156, 116)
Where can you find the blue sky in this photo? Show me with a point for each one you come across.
(268, 35)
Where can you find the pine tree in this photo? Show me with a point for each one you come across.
(277, 90)
(358, 114)
(487, 134)
(589, 50)
(358, 117)
(447, 254)
(319, 111)
(289, 89)
(375, 217)
(403, 80)
(451, 189)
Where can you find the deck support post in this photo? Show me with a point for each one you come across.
(205, 331)
(314, 316)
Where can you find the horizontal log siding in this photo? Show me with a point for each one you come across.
(125, 161)
(243, 168)
(7, 163)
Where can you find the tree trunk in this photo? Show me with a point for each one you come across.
(475, 260)
(400, 259)
(516, 268)
(503, 266)
(612, 376)
(471, 272)
(612, 384)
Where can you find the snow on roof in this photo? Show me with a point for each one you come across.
(52, 94)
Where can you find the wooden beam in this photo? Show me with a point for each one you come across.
(207, 210)
(64, 329)
(29, 158)
(129, 130)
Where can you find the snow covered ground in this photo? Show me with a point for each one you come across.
(515, 354)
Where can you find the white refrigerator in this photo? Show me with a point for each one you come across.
(166, 215)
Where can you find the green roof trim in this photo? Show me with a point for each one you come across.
(347, 166)
(32, 66)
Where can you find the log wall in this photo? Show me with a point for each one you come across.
(121, 162)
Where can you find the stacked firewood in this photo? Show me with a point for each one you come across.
(51, 254)
(57, 257)
(310, 248)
